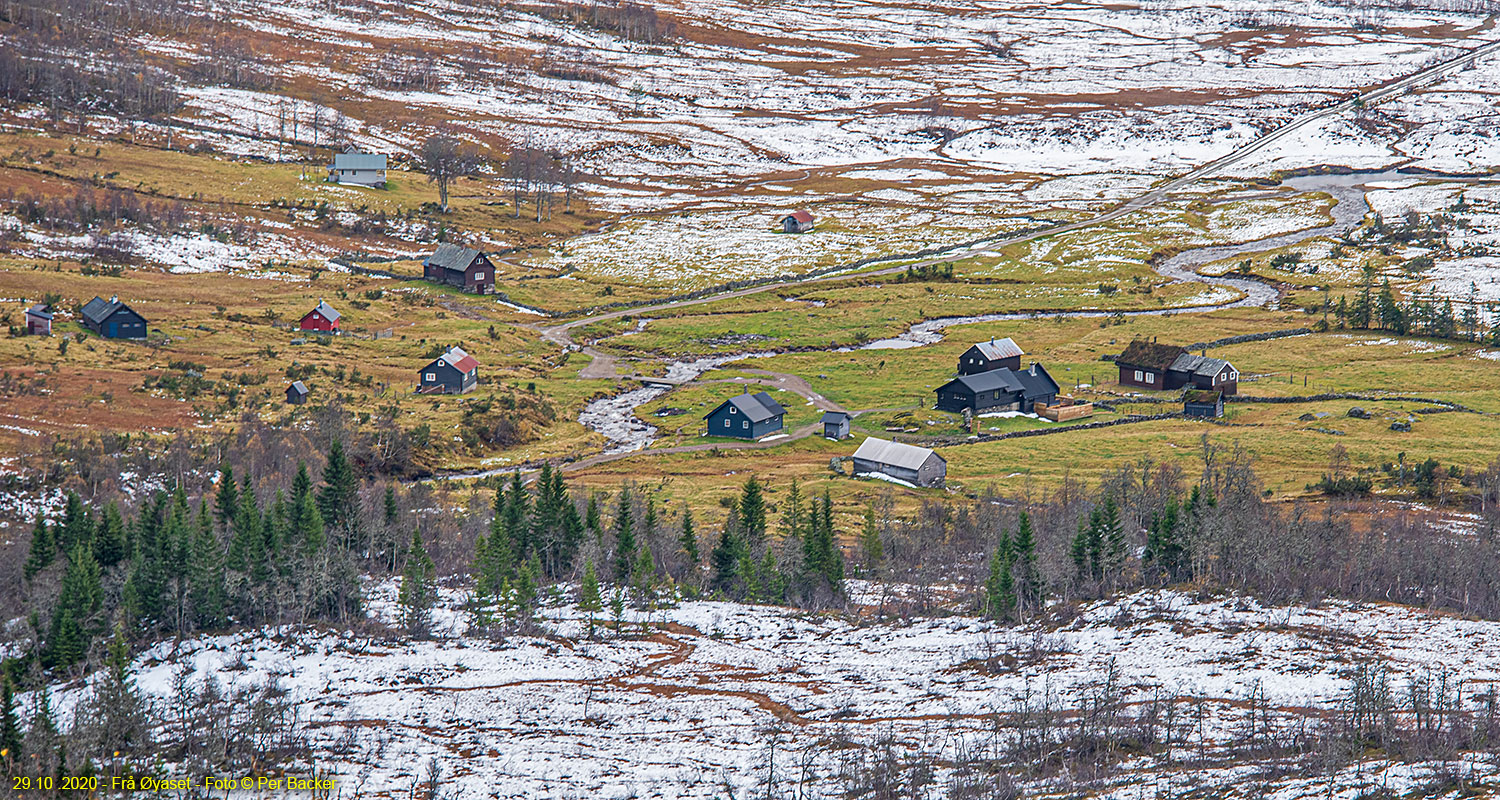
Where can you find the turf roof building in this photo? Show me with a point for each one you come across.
(1164, 366)
(463, 267)
(746, 416)
(917, 466)
(1203, 403)
(113, 319)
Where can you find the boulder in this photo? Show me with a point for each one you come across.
(1359, 413)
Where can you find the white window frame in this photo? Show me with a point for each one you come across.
(1139, 375)
(745, 425)
(432, 376)
(727, 423)
(733, 410)
(1150, 377)
(479, 276)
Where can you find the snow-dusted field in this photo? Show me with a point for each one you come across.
(689, 707)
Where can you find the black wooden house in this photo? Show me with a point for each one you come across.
(113, 319)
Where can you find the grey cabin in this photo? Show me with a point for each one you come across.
(1002, 389)
(361, 169)
(917, 466)
(746, 416)
(453, 372)
(993, 354)
(836, 424)
(463, 267)
(38, 321)
(296, 394)
(1207, 403)
(797, 222)
(113, 319)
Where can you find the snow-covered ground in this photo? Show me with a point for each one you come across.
(687, 707)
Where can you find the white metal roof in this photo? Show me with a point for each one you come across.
(896, 454)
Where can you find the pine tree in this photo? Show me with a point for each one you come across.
(588, 594)
(753, 513)
(624, 537)
(687, 540)
(340, 487)
(417, 589)
(43, 550)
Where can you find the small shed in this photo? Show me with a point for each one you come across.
(746, 416)
(296, 394)
(38, 321)
(363, 169)
(453, 372)
(1203, 403)
(113, 319)
(908, 463)
(798, 221)
(322, 318)
(836, 424)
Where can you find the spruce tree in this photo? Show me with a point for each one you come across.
(1111, 540)
(625, 547)
(79, 599)
(725, 561)
(588, 595)
(794, 518)
(999, 587)
(417, 588)
(340, 486)
(43, 550)
(687, 540)
(109, 537)
(592, 519)
(226, 501)
(207, 593)
(392, 512)
(76, 528)
(116, 711)
(10, 724)
(1029, 578)
(820, 556)
(752, 508)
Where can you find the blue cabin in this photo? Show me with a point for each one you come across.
(113, 319)
(746, 416)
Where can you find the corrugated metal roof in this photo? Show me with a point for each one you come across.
(458, 359)
(1003, 379)
(327, 311)
(836, 417)
(359, 161)
(452, 257)
(895, 454)
(39, 311)
(99, 309)
(1198, 365)
(757, 407)
(996, 349)
(299, 387)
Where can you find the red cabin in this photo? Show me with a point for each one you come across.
(322, 318)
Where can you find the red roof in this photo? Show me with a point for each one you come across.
(801, 216)
(460, 360)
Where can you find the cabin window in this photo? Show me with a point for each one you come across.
(479, 276)
(726, 423)
(1234, 375)
(1150, 378)
(732, 410)
(745, 424)
(432, 376)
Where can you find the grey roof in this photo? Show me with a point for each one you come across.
(359, 161)
(996, 349)
(99, 309)
(757, 407)
(895, 454)
(1031, 382)
(39, 311)
(452, 257)
(836, 417)
(327, 311)
(299, 387)
(1198, 365)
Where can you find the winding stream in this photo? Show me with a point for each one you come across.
(614, 417)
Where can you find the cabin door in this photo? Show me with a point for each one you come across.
(114, 329)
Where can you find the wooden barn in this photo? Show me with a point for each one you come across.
(1150, 365)
(453, 372)
(322, 319)
(1002, 389)
(296, 394)
(917, 466)
(798, 221)
(38, 321)
(746, 416)
(993, 354)
(463, 267)
(836, 424)
(1203, 403)
(113, 319)
(361, 169)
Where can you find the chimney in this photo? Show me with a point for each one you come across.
(114, 298)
